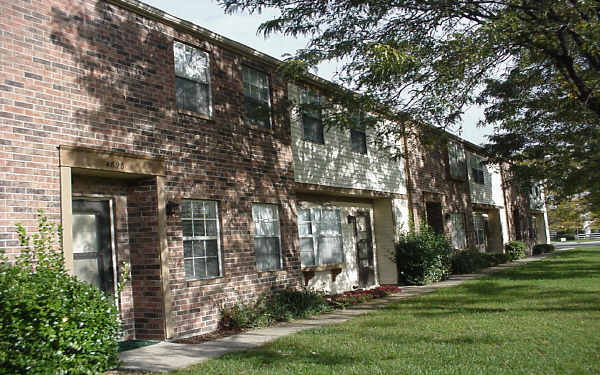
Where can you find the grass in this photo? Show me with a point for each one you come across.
(539, 318)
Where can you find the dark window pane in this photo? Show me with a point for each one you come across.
(257, 112)
(200, 268)
(187, 228)
(359, 141)
(313, 129)
(187, 249)
(191, 96)
(189, 268)
(199, 249)
(211, 248)
(199, 228)
(212, 267)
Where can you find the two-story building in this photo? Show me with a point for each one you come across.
(158, 143)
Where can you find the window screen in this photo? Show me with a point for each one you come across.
(267, 241)
(457, 161)
(200, 239)
(192, 90)
(320, 235)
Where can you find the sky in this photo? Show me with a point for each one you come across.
(242, 28)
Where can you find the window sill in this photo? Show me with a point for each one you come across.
(325, 267)
(201, 282)
(189, 113)
(313, 142)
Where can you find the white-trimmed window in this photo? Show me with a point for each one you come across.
(459, 236)
(201, 241)
(257, 97)
(320, 232)
(358, 135)
(457, 161)
(267, 237)
(312, 122)
(192, 78)
(478, 170)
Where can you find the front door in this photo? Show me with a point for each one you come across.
(93, 257)
(364, 249)
(434, 216)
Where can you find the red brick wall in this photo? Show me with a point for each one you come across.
(430, 181)
(90, 74)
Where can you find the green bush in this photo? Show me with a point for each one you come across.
(282, 305)
(497, 258)
(469, 261)
(422, 257)
(515, 250)
(542, 248)
(50, 322)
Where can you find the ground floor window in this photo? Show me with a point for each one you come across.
(320, 232)
(459, 237)
(201, 245)
(267, 237)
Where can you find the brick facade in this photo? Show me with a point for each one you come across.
(100, 75)
(93, 74)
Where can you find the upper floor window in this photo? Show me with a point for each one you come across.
(267, 237)
(457, 161)
(192, 82)
(478, 170)
(358, 135)
(320, 232)
(257, 97)
(200, 239)
(312, 122)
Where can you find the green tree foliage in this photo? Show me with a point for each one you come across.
(534, 64)
(570, 215)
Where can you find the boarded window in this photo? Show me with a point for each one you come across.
(459, 236)
(192, 91)
(457, 161)
(257, 97)
(267, 237)
(201, 243)
(320, 233)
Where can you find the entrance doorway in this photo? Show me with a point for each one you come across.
(434, 216)
(93, 251)
(364, 249)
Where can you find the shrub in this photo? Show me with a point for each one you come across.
(282, 305)
(358, 296)
(542, 248)
(50, 322)
(422, 257)
(497, 258)
(469, 261)
(515, 250)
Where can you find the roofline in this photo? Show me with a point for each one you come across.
(189, 27)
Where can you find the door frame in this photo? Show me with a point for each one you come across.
(371, 256)
(113, 242)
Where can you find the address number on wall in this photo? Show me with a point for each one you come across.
(115, 164)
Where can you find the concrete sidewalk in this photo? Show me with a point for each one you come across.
(167, 356)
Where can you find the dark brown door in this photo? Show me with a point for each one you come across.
(92, 243)
(364, 249)
(434, 216)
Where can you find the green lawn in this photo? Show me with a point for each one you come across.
(540, 318)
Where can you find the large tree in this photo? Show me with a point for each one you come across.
(534, 64)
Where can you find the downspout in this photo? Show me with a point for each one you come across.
(506, 208)
(411, 215)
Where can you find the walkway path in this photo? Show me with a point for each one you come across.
(167, 356)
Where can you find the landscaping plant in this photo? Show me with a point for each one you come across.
(542, 248)
(422, 257)
(50, 322)
(515, 250)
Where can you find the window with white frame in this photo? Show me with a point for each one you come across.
(257, 97)
(478, 170)
(267, 237)
(320, 232)
(192, 82)
(358, 135)
(312, 122)
(201, 243)
(459, 236)
(457, 161)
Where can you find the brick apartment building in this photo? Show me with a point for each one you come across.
(156, 142)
